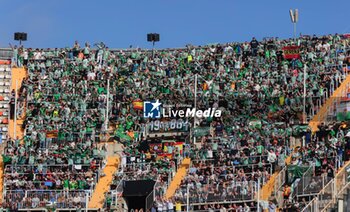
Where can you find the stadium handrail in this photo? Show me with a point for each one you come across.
(336, 186)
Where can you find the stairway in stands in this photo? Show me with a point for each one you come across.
(321, 116)
(98, 197)
(267, 190)
(330, 104)
(180, 174)
(17, 76)
(8, 77)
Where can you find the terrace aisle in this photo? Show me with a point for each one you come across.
(340, 92)
(98, 197)
(17, 75)
(180, 174)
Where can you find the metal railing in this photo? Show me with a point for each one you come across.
(47, 198)
(306, 178)
(116, 193)
(331, 192)
(236, 193)
(280, 181)
(308, 186)
(155, 194)
(137, 166)
(149, 200)
(41, 182)
(256, 158)
(330, 115)
(312, 206)
(250, 167)
(249, 208)
(15, 168)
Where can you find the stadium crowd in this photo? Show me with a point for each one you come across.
(72, 93)
(323, 154)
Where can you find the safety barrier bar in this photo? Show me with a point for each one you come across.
(315, 184)
(331, 192)
(305, 179)
(119, 190)
(312, 206)
(144, 176)
(218, 210)
(116, 192)
(337, 159)
(198, 196)
(140, 165)
(335, 101)
(268, 167)
(139, 159)
(47, 198)
(22, 168)
(149, 200)
(228, 151)
(53, 175)
(280, 180)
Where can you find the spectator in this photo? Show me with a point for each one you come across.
(252, 83)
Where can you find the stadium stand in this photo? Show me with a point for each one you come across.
(276, 183)
(97, 199)
(73, 95)
(18, 74)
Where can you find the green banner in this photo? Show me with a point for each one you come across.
(295, 171)
(343, 116)
(201, 131)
